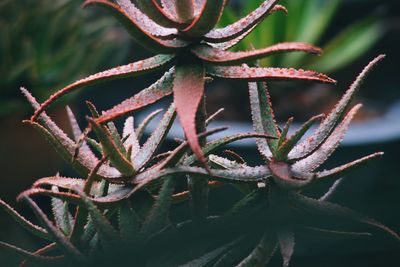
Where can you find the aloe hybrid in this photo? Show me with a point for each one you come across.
(183, 35)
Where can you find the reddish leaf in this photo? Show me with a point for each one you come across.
(234, 30)
(263, 117)
(320, 155)
(30, 255)
(144, 38)
(258, 74)
(184, 10)
(188, 93)
(340, 171)
(132, 69)
(158, 14)
(333, 118)
(207, 18)
(147, 25)
(157, 91)
(214, 55)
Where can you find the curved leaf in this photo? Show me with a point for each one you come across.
(132, 69)
(234, 30)
(188, 94)
(259, 74)
(218, 56)
(157, 91)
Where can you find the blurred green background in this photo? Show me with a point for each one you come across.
(46, 44)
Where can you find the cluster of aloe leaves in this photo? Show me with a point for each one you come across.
(120, 207)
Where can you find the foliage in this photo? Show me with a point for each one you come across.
(120, 207)
(308, 21)
(46, 46)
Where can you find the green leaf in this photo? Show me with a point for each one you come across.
(108, 235)
(30, 255)
(61, 214)
(129, 223)
(263, 117)
(153, 143)
(34, 229)
(142, 126)
(158, 215)
(64, 244)
(117, 158)
(262, 253)
(336, 212)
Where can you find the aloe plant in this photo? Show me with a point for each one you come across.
(120, 208)
(183, 34)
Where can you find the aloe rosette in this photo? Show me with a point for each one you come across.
(291, 166)
(183, 35)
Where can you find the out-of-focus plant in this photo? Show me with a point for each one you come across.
(308, 22)
(47, 42)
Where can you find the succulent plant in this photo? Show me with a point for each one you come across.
(120, 209)
(182, 32)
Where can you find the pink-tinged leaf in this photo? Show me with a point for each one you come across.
(64, 244)
(231, 43)
(341, 171)
(333, 211)
(263, 117)
(116, 194)
(153, 143)
(309, 145)
(157, 91)
(218, 144)
(29, 255)
(130, 137)
(132, 25)
(159, 14)
(262, 253)
(64, 145)
(277, 8)
(132, 69)
(41, 251)
(188, 93)
(145, 23)
(184, 10)
(142, 126)
(286, 243)
(117, 158)
(77, 133)
(177, 154)
(240, 175)
(24, 223)
(243, 25)
(288, 179)
(260, 74)
(206, 19)
(287, 145)
(320, 155)
(218, 56)
(213, 116)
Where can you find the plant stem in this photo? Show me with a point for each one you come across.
(198, 186)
